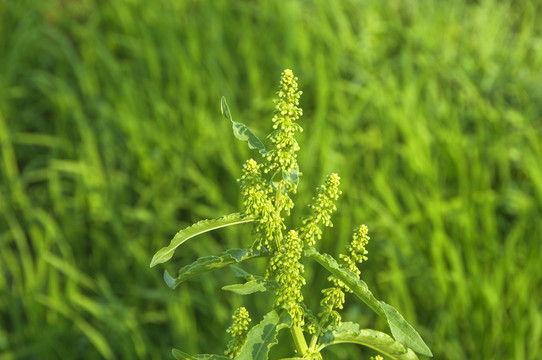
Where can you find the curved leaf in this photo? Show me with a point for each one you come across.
(203, 226)
(179, 355)
(379, 341)
(241, 131)
(238, 272)
(359, 287)
(400, 328)
(252, 286)
(209, 263)
(281, 175)
(262, 337)
(404, 332)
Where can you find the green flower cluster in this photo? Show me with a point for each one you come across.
(322, 208)
(263, 198)
(258, 203)
(239, 331)
(333, 299)
(283, 156)
(334, 296)
(255, 190)
(356, 250)
(288, 271)
(267, 198)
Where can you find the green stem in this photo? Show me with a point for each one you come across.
(299, 340)
(312, 347)
(313, 341)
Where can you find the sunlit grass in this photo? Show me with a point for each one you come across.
(111, 140)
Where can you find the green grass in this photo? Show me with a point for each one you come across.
(111, 140)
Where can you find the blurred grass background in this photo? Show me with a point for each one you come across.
(111, 140)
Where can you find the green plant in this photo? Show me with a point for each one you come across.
(267, 188)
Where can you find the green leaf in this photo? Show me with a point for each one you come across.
(203, 226)
(281, 175)
(179, 355)
(238, 272)
(292, 175)
(400, 328)
(252, 286)
(170, 281)
(208, 263)
(359, 287)
(241, 131)
(404, 332)
(262, 337)
(379, 341)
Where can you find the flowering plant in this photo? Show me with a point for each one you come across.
(266, 188)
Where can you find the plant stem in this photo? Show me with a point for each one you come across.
(299, 340)
(313, 341)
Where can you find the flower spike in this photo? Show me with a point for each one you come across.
(239, 331)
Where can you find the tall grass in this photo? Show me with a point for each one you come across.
(111, 140)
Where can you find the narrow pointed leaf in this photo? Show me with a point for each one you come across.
(241, 131)
(238, 272)
(224, 108)
(203, 226)
(170, 281)
(400, 328)
(252, 286)
(359, 287)
(404, 332)
(379, 341)
(179, 355)
(262, 337)
(208, 263)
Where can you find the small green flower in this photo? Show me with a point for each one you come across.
(333, 299)
(239, 331)
(356, 250)
(283, 155)
(311, 322)
(258, 202)
(254, 190)
(334, 296)
(288, 274)
(322, 208)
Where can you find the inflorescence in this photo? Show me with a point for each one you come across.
(238, 331)
(334, 296)
(266, 190)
